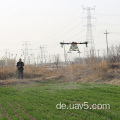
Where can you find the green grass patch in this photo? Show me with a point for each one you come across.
(39, 99)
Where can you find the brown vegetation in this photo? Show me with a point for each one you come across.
(93, 72)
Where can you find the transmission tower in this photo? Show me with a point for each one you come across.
(43, 54)
(89, 35)
(25, 52)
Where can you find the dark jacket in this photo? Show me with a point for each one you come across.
(20, 65)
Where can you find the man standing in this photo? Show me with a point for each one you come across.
(20, 65)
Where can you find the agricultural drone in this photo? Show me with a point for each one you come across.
(74, 46)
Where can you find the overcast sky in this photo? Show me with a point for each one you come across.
(48, 22)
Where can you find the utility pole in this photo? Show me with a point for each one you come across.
(65, 55)
(106, 33)
(6, 57)
(41, 48)
(89, 34)
(79, 57)
(98, 53)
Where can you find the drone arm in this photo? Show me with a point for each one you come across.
(62, 43)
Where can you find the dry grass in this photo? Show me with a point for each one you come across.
(32, 72)
(94, 72)
(7, 72)
(29, 72)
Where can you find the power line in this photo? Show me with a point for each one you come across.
(58, 32)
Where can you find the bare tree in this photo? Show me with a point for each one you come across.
(57, 61)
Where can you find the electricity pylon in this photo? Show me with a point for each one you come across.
(89, 35)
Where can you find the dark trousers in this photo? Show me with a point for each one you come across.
(20, 74)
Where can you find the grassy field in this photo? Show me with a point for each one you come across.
(38, 100)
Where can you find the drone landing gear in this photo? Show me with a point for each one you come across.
(70, 51)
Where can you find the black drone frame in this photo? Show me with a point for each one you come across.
(62, 43)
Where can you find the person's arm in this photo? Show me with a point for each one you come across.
(23, 63)
(18, 64)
